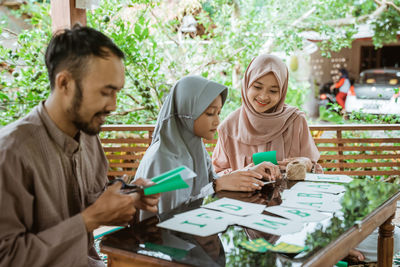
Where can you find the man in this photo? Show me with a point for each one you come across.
(52, 165)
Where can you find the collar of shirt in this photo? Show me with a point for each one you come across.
(68, 144)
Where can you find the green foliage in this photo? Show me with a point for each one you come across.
(362, 196)
(158, 54)
(28, 84)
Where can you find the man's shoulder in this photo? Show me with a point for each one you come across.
(20, 132)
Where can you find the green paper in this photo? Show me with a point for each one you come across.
(167, 174)
(166, 184)
(257, 245)
(342, 264)
(269, 156)
(175, 253)
(168, 181)
(261, 245)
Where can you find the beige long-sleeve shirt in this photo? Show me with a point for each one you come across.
(230, 154)
(46, 179)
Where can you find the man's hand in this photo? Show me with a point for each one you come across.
(268, 170)
(149, 202)
(240, 181)
(111, 208)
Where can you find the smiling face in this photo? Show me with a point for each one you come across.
(95, 95)
(206, 124)
(264, 93)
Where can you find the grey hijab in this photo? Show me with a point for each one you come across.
(174, 142)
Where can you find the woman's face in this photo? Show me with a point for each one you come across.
(206, 125)
(264, 93)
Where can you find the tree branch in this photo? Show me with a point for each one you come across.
(304, 16)
(123, 113)
(133, 98)
(352, 20)
(213, 61)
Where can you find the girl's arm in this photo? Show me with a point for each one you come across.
(220, 158)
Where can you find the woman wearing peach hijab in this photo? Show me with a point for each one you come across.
(264, 122)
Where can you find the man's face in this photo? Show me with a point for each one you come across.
(96, 93)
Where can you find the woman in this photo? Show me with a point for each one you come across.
(264, 122)
(190, 113)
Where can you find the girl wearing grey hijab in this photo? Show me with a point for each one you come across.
(190, 113)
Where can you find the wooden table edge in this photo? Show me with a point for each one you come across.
(329, 256)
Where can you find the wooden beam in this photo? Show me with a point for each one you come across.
(65, 15)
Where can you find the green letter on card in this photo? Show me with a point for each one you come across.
(329, 177)
(317, 204)
(324, 186)
(270, 224)
(204, 215)
(299, 213)
(309, 195)
(231, 207)
(199, 225)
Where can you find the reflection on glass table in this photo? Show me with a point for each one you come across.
(365, 205)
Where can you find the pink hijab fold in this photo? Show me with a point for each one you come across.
(252, 128)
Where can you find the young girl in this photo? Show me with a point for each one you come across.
(264, 122)
(190, 113)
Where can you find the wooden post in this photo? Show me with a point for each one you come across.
(65, 15)
(340, 152)
(385, 243)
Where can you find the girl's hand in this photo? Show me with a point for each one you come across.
(239, 181)
(268, 170)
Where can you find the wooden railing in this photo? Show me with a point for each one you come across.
(358, 150)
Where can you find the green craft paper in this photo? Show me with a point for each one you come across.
(269, 156)
(165, 175)
(261, 245)
(166, 184)
(175, 253)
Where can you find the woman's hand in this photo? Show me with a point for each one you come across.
(239, 181)
(268, 170)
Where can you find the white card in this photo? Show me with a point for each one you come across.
(271, 225)
(297, 215)
(337, 178)
(329, 206)
(319, 187)
(295, 195)
(194, 225)
(235, 207)
(211, 215)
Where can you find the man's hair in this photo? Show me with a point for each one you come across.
(72, 49)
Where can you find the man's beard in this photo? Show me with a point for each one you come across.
(77, 119)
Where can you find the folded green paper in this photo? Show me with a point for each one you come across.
(170, 181)
(269, 156)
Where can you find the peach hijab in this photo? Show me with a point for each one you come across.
(252, 128)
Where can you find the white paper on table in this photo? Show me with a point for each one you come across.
(329, 206)
(297, 215)
(87, 4)
(319, 187)
(337, 178)
(308, 196)
(270, 224)
(194, 226)
(235, 207)
(211, 215)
